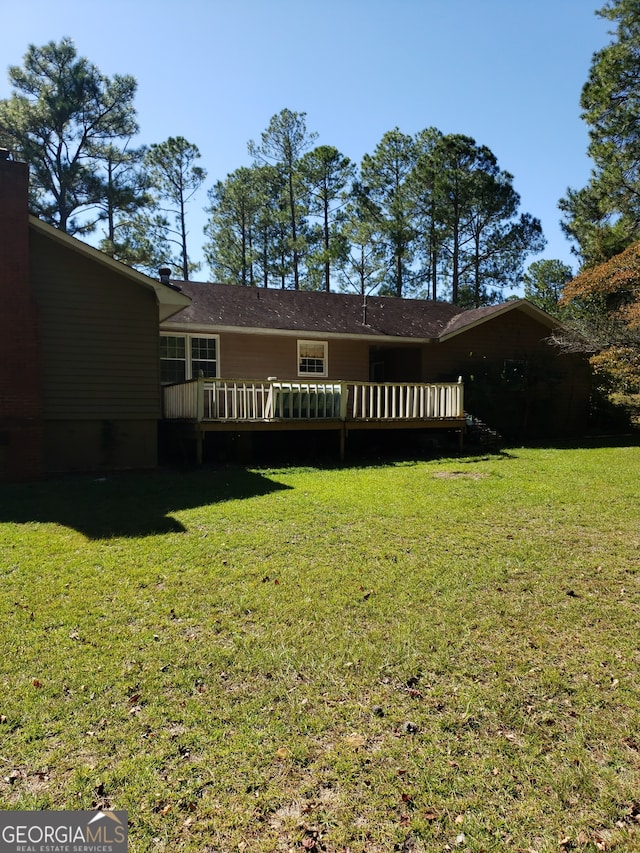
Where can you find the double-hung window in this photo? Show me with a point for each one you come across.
(173, 359)
(204, 357)
(185, 357)
(312, 358)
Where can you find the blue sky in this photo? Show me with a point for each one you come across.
(506, 72)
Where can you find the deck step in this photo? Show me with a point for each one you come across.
(478, 432)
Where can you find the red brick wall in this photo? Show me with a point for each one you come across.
(20, 375)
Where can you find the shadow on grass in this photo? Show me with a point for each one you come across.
(128, 504)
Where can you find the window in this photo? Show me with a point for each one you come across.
(185, 357)
(173, 359)
(312, 358)
(204, 357)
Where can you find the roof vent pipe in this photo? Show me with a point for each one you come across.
(165, 275)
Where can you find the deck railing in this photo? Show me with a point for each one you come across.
(255, 400)
(407, 401)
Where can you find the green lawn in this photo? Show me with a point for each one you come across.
(422, 656)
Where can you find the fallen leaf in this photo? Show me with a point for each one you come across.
(36, 683)
(282, 752)
(355, 739)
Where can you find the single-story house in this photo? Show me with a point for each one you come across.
(93, 355)
(79, 348)
(271, 341)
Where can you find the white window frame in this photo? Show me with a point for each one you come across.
(325, 359)
(188, 350)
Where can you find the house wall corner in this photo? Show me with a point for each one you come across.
(21, 415)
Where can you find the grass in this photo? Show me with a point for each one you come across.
(422, 656)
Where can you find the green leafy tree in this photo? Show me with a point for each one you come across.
(481, 233)
(604, 217)
(364, 268)
(325, 173)
(59, 119)
(231, 209)
(142, 241)
(386, 201)
(544, 283)
(125, 193)
(234, 228)
(282, 145)
(501, 239)
(429, 200)
(172, 172)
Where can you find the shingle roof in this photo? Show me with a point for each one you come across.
(313, 311)
(474, 316)
(232, 306)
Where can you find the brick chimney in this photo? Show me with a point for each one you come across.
(21, 424)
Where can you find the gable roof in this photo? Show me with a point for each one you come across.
(229, 307)
(169, 298)
(466, 320)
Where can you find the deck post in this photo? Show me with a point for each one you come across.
(343, 433)
(200, 399)
(199, 446)
(344, 400)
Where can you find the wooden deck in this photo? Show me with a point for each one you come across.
(241, 405)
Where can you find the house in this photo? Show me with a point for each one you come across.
(94, 356)
(79, 359)
(385, 358)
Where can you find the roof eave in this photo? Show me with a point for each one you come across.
(516, 304)
(219, 328)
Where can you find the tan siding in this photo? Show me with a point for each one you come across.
(100, 338)
(256, 356)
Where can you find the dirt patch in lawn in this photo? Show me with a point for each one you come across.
(461, 475)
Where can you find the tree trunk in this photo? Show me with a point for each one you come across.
(327, 266)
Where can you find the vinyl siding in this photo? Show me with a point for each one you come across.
(258, 356)
(99, 338)
(553, 399)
